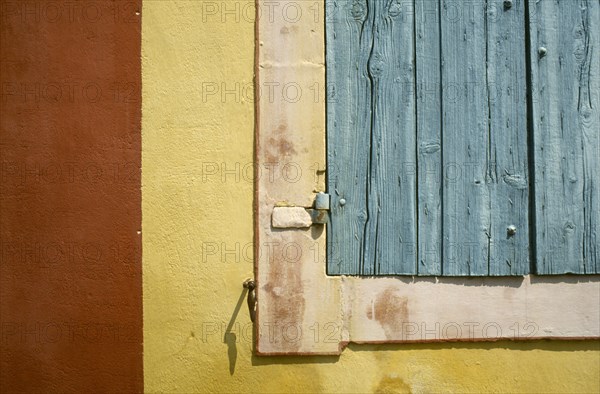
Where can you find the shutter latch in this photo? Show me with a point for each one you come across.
(250, 284)
(302, 217)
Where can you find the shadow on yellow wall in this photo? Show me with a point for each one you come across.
(197, 332)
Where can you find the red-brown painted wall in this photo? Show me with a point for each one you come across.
(70, 200)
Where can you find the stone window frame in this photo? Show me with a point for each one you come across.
(302, 310)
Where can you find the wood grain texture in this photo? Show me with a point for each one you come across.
(507, 177)
(565, 72)
(349, 37)
(466, 216)
(429, 131)
(371, 67)
(390, 236)
(427, 138)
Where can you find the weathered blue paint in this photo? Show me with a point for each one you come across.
(370, 65)
(349, 38)
(507, 177)
(427, 129)
(565, 59)
(429, 137)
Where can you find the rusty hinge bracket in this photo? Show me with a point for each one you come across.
(302, 217)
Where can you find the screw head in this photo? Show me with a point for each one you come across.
(511, 230)
(508, 4)
(342, 201)
(542, 51)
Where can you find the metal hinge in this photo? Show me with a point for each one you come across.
(302, 217)
(250, 285)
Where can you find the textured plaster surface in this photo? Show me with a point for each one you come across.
(70, 214)
(198, 227)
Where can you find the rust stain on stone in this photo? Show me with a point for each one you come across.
(284, 146)
(284, 322)
(287, 30)
(279, 146)
(390, 310)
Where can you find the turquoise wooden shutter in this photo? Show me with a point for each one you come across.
(432, 137)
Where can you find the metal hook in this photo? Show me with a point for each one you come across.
(250, 284)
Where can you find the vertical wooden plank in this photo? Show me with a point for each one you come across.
(484, 139)
(507, 175)
(372, 137)
(565, 75)
(390, 237)
(590, 104)
(349, 38)
(429, 129)
(465, 139)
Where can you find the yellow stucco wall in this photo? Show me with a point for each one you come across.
(192, 294)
